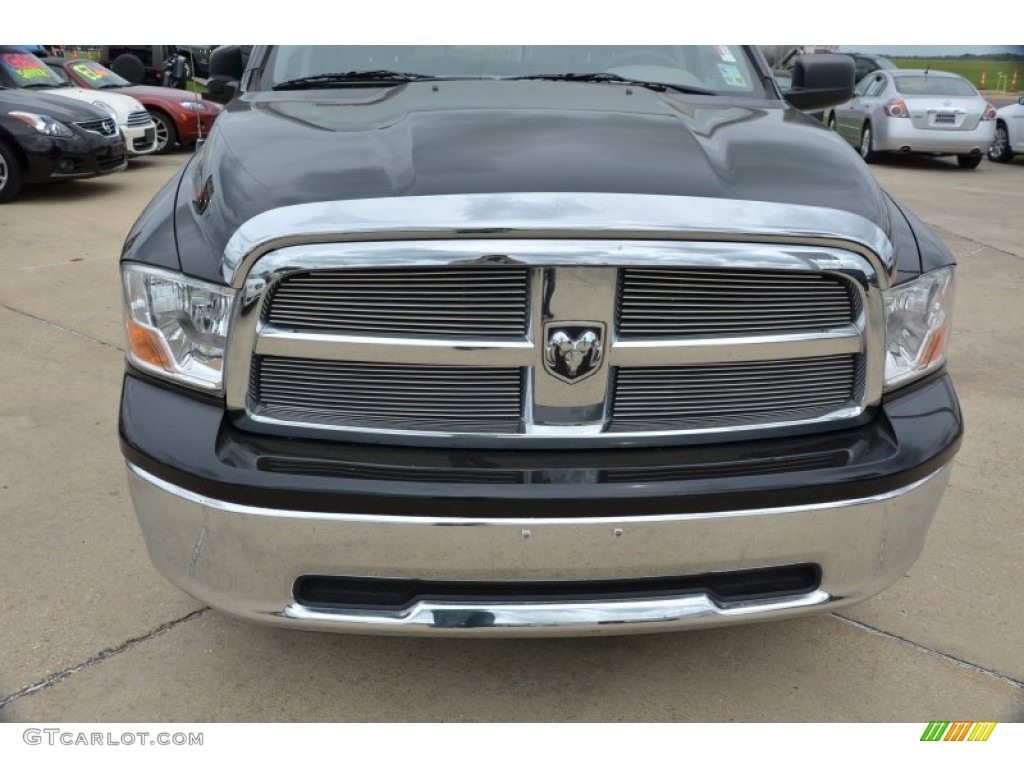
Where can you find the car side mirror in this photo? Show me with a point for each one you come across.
(225, 73)
(1021, 101)
(821, 80)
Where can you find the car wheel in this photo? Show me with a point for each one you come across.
(867, 144)
(968, 161)
(832, 121)
(166, 133)
(11, 176)
(1000, 150)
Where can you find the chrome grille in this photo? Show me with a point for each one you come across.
(746, 393)
(689, 302)
(453, 342)
(139, 118)
(481, 302)
(388, 395)
(104, 127)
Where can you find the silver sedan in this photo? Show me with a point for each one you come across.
(916, 111)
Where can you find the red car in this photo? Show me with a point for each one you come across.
(181, 117)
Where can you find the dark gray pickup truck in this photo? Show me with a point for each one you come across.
(496, 340)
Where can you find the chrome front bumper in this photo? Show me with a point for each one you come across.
(245, 560)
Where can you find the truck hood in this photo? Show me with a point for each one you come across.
(276, 149)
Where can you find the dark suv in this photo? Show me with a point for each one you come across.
(154, 58)
(528, 339)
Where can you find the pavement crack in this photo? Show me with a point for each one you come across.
(931, 651)
(29, 315)
(981, 246)
(102, 656)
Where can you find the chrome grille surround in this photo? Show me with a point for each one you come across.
(138, 118)
(572, 265)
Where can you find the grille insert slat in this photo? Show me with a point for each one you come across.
(482, 302)
(388, 396)
(693, 396)
(660, 303)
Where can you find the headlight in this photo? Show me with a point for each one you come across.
(918, 318)
(177, 327)
(195, 106)
(44, 124)
(106, 108)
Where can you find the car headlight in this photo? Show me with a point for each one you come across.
(44, 124)
(918, 317)
(194, 106)
(106, 108)
(177, 327)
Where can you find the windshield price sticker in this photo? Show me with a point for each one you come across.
(26, 66)
(88, 71)
(732, 75)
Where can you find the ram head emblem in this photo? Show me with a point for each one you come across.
(573, 351)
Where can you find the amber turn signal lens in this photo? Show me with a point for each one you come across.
(936, 347)
(146, 346)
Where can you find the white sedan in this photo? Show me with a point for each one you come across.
(1009, 140)
(917, 111)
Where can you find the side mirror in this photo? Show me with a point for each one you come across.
(1021, 101)
(225, 73)
(821, 80)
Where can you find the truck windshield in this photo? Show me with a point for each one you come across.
(718, 69)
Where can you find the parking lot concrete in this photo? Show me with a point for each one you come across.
(91, 632)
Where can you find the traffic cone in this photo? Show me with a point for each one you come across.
(1013, 83)
(983, 79)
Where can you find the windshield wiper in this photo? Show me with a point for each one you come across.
(608, 77)
(331, 79)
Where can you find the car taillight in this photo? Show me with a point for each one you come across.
(897, 108)
(990, 113)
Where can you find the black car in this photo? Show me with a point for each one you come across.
(50, 138)
(478, 340)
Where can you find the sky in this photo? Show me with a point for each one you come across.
(533, 22)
